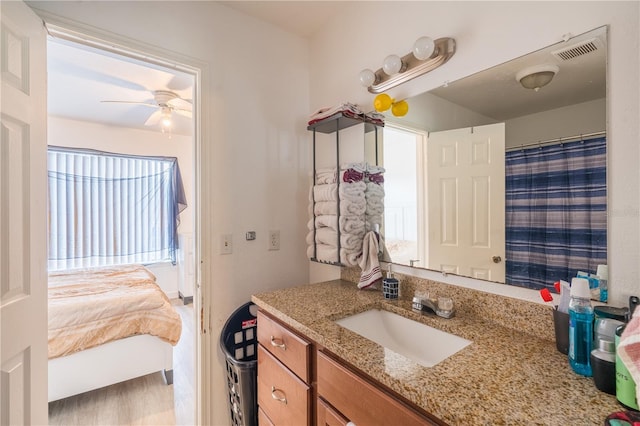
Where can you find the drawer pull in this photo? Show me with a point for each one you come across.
(278, 343)
(282, 399)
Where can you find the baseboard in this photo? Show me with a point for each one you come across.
(185, 299)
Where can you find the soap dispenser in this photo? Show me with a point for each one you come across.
(390, 286)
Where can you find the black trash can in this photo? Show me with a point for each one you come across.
(239, 343)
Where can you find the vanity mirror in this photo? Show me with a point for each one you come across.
(501, 175)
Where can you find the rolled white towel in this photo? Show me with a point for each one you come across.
(352, 224)
(348, 224)
(372, 168)
(374, 190)
(328, 236)
(325, 192)
(347, 207)
(352, 190)
(326, 175)
(375, 206)
(359, 167)
(371, 221)
(323, 252)
(350, 258)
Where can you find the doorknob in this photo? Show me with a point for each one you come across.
(496, 259)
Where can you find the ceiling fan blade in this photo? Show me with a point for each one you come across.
(180, 103)
(182, 112)
(154, 118)
(132, 103)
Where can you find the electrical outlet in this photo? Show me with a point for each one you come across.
(274, 240)
(226, 244)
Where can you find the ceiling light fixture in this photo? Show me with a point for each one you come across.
(425, 56)
(165, 121)
(537, 76)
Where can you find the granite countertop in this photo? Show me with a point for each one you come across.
(505, 377)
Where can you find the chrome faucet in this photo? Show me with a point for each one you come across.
(443, 306)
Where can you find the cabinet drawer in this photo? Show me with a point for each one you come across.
(359, 400)
(285, 399)
(327, 416)
(291, 350)
(263, 419)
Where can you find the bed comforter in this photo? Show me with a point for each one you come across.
(89, 307)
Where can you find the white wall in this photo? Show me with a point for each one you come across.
(487, 34)
(256, 150)
(82, 134)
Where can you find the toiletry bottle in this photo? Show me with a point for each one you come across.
(580, 327)
(603, 278)
(625, 386)
(390, 286)
(603, 364)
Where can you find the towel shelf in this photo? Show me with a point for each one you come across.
(331, 125)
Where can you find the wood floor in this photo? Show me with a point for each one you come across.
(143, 401)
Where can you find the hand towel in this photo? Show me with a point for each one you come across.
(369, 261)
(629, 349)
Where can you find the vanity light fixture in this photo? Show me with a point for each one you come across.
(537, 76)
(427, 54)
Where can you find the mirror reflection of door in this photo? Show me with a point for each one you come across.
(465, 183)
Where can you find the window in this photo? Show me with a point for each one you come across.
(109, 209)
(403, 210)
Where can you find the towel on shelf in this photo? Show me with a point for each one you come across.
(629, 349)
(347, 207)
(347, 109)
(374, 190)
(326, 253)
(328, 236)
(326, 175)
(352, 190)
(325, 192)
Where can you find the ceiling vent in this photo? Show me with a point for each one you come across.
(577, 50)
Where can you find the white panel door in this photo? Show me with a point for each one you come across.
(465, 183)
(23, 250)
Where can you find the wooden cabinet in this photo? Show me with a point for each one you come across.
(360, 401)
(285, 396)
(327, 416)
(296, 388)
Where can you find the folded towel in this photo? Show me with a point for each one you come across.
(629, 349)
(353, 190)
(374, 169)
(326, 175)
(329, 236)
(369, 261)
(352, 175)
(326, 253)
(348, 224)
(374, 190)
(325, 192)
(347, 207)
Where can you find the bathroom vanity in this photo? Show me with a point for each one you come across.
(313, 371)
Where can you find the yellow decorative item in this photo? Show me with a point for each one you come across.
(400, 109)
(382, 102)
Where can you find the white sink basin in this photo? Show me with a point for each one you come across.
(425, 345)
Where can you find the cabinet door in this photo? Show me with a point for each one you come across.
(287, 347)
(359, 400)
(285, 399)
(327, 416)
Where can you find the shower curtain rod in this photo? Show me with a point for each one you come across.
(556, 140)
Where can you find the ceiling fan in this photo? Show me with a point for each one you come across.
(166, 103)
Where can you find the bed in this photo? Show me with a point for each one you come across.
(108, 325)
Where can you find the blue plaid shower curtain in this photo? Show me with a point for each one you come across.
(556, 212)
